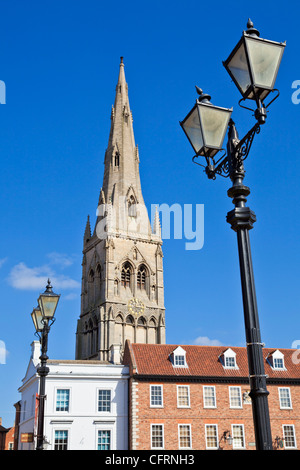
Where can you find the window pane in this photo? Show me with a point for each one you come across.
(104, 400)
(239, 68)
(61, 440)
(211, 436)
(209, 397)
(214, 125)
(230, 362)
(183, 398)
(289, 436)
(104, 440)
(184, 436)
(235, 397)
(193, 130)
(238, 436)
(156, 395)
(62, 400)
(179, 361)
(265, 59)
(285, 399)
(278, 363)
(157, 438)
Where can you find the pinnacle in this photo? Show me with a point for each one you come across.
(87, 232)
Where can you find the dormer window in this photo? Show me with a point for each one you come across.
(228, 359)
(178, 358)
(276, 360)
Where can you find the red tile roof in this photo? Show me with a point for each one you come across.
(154, 359)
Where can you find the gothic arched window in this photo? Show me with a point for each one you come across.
(117, 159)
(126, 275)
(129, 320)
(91, 275)
(98, 271)
(141, 277)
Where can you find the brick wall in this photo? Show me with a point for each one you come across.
(142, 415)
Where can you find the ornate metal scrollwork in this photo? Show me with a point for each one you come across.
(239, 151)
(243, 147)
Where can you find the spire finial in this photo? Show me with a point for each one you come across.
(121, 59)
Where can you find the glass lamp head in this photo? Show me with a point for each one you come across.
(254, 63)
(48, 302)
(37, 319)
(205, 126)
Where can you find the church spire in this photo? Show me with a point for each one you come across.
(122, 267)
(121, 181)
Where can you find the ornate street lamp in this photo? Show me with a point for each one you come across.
(253, 66)
(43, 317)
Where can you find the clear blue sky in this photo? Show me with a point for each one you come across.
(59, 61)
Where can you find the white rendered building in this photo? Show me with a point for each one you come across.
(86, 406)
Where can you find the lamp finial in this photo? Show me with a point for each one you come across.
(202, 96)
(251, 30)
(49, 286)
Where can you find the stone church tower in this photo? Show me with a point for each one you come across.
(122, 293)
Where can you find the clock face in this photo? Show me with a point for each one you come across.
(136, 306)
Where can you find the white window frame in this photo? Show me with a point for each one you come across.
(55, 400)
(282, 398)
(227, 365)
(214, 396)
(105, 427)
(240, 397)
(190, 432)
(294, 435)
(162, 396)
(182, 359)
(61, 427)
(105, 413)
(163, 436)
(217, 436)
(243, 436)
(188, 393)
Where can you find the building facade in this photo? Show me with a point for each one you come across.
(122, 293)
(86, 406)
(6, 437)
(197, 397)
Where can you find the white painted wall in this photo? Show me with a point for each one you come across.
(83, 420)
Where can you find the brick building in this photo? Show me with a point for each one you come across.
(196, 397)
(6, 437)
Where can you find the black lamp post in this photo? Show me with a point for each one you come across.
(253, 65)
(43, 318)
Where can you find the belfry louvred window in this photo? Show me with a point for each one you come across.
(125, 275)
(141, 278)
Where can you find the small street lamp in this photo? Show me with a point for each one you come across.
(253, 65)
(43, 317)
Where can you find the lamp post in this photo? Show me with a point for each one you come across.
(253, 65)
(43, 318)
